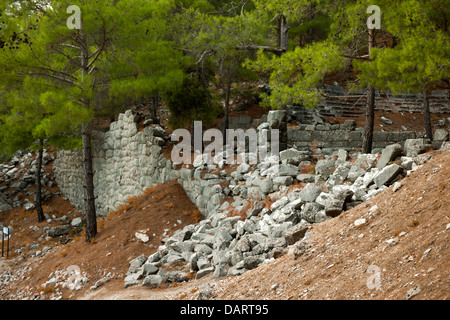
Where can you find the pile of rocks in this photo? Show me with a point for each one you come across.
(16, 178)
(241, 235)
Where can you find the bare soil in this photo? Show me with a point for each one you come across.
(342, 261)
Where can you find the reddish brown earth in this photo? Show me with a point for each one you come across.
(336, 265)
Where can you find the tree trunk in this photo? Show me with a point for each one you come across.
(155, 107)
(38, 204)
(427, 115)
(89, 198)
(370, 107)
(370, 120)
(226, 120)
(86, 133)
(284, 33)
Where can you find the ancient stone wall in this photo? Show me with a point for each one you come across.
(126, 161)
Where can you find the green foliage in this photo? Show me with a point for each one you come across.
(191, 101)
(295, 75)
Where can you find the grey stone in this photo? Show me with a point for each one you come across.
(386, 120)
(333, 207)
(4, 207)
(441, 135)
(29, 206)
(220, 271)
(414, 147)
(138, 262)
(291, 153)
(310, 210)
(306, 177)
(222, 239)
(58, 231)
(295, 233)
(412, 292)
(349, 125)
(76, 222)
(243, 168)
(310, 192)
(389, 153)
(152, 281)
(243, 244)
(176, 276)
(387, 174)
(173, 258)
(445, 146)
(342, 155)
(266, 186)
(149, 268)
(339, 174)
(324, 168)
(252, 262)
(131, 280)
(288, 170)
(203, 272)
(283, 181)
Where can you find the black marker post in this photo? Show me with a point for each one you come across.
(3, 237)
(5, 231)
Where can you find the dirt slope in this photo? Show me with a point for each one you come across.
(415, 219)
(402, 250)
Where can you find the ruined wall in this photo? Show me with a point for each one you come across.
(126, 161)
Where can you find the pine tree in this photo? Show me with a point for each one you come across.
(109, 53)
(420, 60)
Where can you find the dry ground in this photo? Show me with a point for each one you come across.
(343, 261)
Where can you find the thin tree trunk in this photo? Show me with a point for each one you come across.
(89, 198)
(427, 115)
(86, 132)
(226, 118)
(155, 107)
(370, 107)
(370, 120)
(284, 34)
(38, 204)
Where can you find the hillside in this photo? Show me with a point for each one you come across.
(404, 239)
(403, 247)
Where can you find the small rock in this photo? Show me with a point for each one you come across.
(393, 241)
(397, 186)
(385, 120)
(412, 292)
(142, 236)
(359, 222)
(76, 222)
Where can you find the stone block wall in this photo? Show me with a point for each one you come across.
(127, 161)
(346, 137)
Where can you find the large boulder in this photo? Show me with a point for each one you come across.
(310, 192)
(414, 147)
(288, 170)
(297, 232)
(324, 168)
(387, 175)
(388, 154)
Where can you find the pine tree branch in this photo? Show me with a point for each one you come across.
(264, 48)
(52, 76)
(364, 57)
